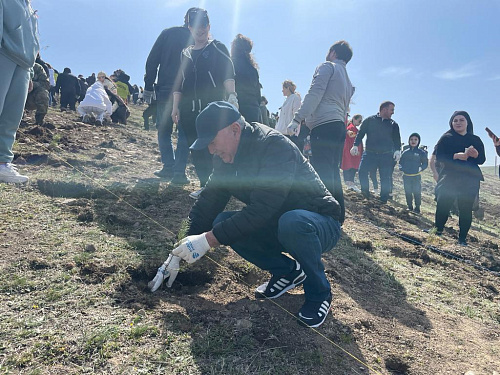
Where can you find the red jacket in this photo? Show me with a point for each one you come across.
(349, 161)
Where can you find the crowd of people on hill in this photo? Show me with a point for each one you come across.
(294, 204)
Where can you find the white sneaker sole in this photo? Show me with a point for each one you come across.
(325, 309)
(14, 179)
(259, 292)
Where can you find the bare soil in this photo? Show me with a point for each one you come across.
(81, 240)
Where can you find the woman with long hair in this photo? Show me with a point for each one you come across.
(246, 78)
(207, 76)
(459, 153)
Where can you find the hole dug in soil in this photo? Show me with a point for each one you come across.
(94, 273)
(64, 189)
(396, 365)
(187, 277)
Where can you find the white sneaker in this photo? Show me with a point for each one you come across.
(196, 194)
(9, 173)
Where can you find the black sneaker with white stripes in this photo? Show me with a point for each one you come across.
(279, 285)
(313, 314)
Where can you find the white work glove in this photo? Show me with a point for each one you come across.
(397, 155)
(192, 248)
(168, 270)
(233, 99)
(292, 127)
(354, 150)
(147, 96)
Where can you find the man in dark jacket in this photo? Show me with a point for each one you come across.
(83, 87)
(69, 86)
(288, 209)
(163, 63)
(413, 161)
(383, 148)
(90, 79)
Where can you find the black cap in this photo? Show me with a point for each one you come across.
(216, 116)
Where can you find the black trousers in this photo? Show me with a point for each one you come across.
(327, 145)
(349, 174)
(464, 191)
(413, 189)
(68, 99)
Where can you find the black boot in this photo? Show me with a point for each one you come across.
(39, 118)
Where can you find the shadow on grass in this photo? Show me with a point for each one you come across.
(258, 337)
(374, 289)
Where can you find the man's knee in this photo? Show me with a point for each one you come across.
(292, 222)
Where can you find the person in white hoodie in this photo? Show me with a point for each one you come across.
(96, 102)
(18, 49)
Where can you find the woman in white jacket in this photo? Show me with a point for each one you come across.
(289, 107)
(96, 101)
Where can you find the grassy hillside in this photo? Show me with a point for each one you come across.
(81, 240)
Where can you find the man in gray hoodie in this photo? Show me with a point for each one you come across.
(324, 110)
(18, 49)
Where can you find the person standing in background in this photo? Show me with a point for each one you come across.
(324, 111)
(350, 163)
(163, 66)
(207, 76)
(383, 147)
(69, 86)
(460, 153)
(289, 107)
(246, 78)
(264, 111)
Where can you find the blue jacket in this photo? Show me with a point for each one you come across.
(413, 160)
(19, 32)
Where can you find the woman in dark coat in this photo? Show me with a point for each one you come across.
(459, 153)
(246, 79)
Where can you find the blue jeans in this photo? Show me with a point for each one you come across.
(370, 162)
(13, 93)
(304, 235)
(164, 124)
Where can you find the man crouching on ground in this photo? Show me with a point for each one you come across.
(288, 209)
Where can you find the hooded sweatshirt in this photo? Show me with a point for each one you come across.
(451, 143)
(413, 159)
(19, 32)
(96, 97)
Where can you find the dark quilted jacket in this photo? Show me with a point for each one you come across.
(271, 176)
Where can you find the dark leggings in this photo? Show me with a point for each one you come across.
(349, 174)
(465, 193)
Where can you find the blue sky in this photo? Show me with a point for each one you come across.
(429, 57)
